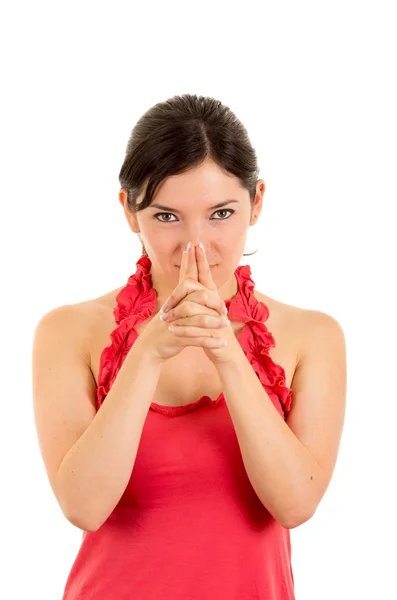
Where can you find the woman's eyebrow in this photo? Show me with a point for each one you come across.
(170, 209)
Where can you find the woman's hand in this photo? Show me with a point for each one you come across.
(195, 312)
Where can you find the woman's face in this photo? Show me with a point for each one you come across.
(184, 210)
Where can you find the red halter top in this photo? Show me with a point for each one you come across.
(189, 525)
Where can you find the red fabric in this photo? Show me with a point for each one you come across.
(189, 525)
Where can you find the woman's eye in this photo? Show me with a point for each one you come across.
(224, 210)
(160, 215)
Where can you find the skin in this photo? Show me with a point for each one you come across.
(289, 462)
(223, 234)
(197, 295)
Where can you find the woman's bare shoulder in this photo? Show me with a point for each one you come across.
(287, 322)
(83, 318)
(294, 324)
(95, 311)
(280, 310)
(90, 322)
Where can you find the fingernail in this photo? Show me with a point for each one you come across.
(202, 247)
(189, 246)
(164, 307)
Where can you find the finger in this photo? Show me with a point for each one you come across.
(201, 342)
(205, 278)
(203, 320)
(183, 289)
(192, 270)
(190, 308)
(204, 269)
(180, 291)
(191, 331)
(182, 270)
(199, 302)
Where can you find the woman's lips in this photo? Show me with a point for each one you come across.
(212, 266)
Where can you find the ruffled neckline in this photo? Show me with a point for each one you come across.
(136, 302)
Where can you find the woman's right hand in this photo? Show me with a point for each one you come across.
(161, 344)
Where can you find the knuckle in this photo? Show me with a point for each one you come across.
(189, 308)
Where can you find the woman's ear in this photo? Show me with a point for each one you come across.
(123, 197)
(131, 217)
(257, 206)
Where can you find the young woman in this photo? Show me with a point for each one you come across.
(185, 460)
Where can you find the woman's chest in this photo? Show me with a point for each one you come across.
(190, 375)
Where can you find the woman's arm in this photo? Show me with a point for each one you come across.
(290, 463)
(95, 472)
(88, 453)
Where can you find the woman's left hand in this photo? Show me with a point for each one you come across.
(193, 306)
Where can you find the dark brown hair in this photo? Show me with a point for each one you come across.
(179, 134)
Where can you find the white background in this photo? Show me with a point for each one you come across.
(315, 85)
